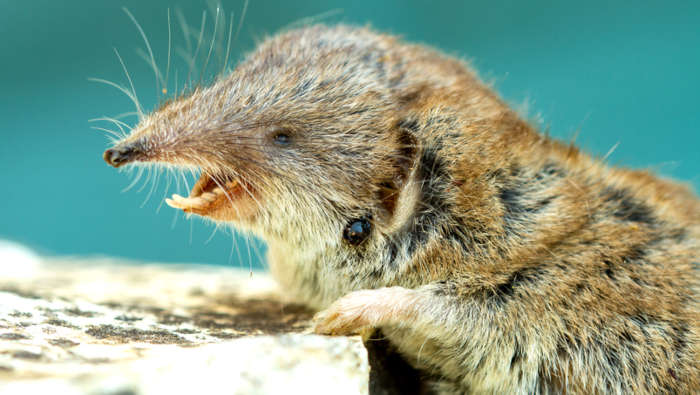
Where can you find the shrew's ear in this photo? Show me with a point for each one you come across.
(404, 160)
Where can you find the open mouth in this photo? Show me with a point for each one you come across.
(210, 194)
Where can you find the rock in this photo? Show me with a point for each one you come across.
(99, 326)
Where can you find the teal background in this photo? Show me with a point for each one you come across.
(608, 72)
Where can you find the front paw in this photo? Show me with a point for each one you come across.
(362, 309)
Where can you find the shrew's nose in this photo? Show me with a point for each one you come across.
(118, 156)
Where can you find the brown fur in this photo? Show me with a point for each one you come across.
(499, 260)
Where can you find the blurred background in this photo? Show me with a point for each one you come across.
(613, 74)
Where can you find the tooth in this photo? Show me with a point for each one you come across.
(198, 202)
(208, 196)
(185, 203)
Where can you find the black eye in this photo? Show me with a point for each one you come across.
(282, 137)
(357, 231)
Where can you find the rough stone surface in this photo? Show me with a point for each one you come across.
(79, 326)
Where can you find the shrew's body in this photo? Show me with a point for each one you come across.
(397, 191)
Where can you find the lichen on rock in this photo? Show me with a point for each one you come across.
(100, 326)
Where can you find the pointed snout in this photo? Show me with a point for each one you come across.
(119, 156)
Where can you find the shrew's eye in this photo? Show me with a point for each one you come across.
(282, 137)
(357, 231)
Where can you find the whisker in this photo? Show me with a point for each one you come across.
(234, 246)
(121, 125)
(184, 178)
(267, 169)
(156, 72)
(223, 188)
(154, 183)
(167, 187)
(211, 46)
(186, 53)
(177, 92)
(243, 184)
(258, 253)
(610, 151)
(117, 136)
(191, 231)
(211, 236)
(218, 38)
(176, 214)
(148, 177)
(139, 109)
(199, 44)
(135, 181)
(250, 260)
(126, 114)
(167, 67)
(228, 44)
(240, 21)
(122, 89)
(312, 19)
(185, 28)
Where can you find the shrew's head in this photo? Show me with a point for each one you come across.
(306, 138)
